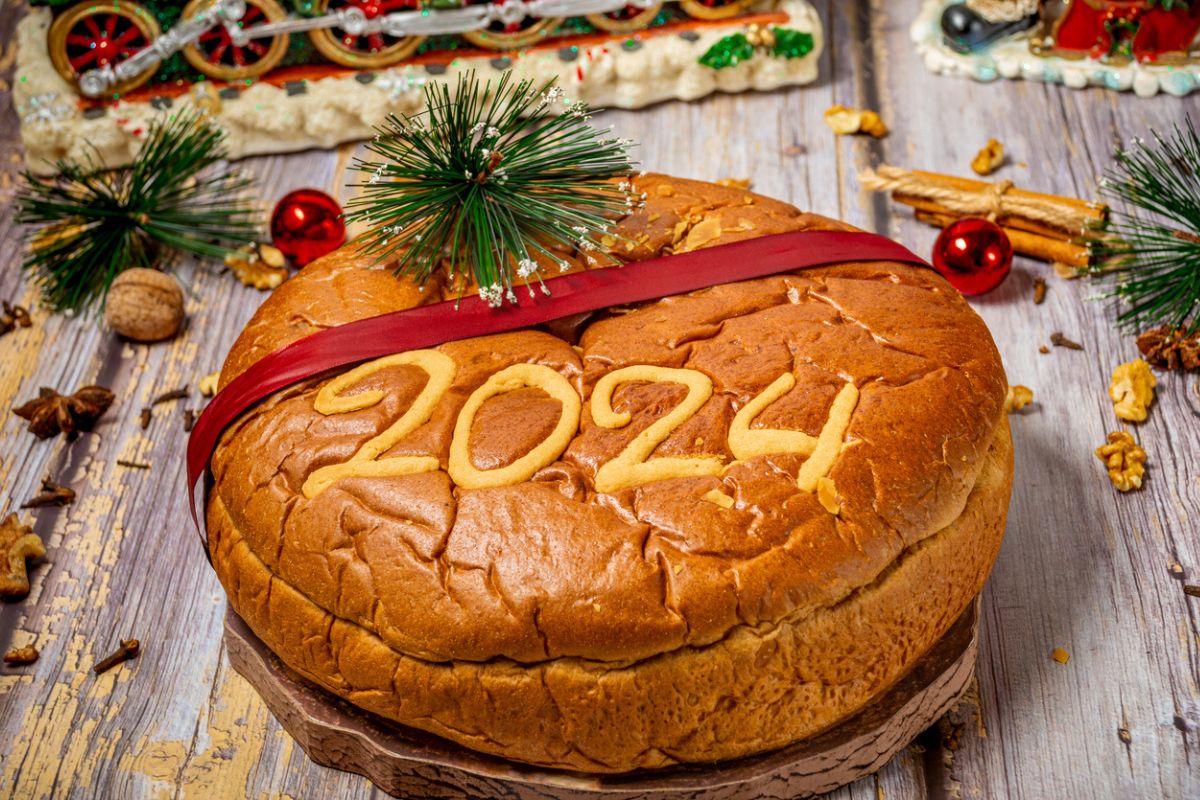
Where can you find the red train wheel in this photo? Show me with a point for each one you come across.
(216, 55)
(629, 19)
(714, 9)
(502, 36)
(368, 51)
(93, 35)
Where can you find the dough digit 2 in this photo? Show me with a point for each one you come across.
(439, 368)
(631, 467)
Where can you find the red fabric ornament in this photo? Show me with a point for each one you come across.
(307, 224)
(975, 255)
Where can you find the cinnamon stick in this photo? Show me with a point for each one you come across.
(1096, 211)
(1004, 221)
(1043, 215)
(1042, 248)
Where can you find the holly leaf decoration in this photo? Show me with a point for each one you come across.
(728, 51)
(791, 43)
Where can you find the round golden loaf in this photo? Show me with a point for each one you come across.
(825, 497)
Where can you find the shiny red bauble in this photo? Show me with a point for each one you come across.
(975, 255)
(307, 224)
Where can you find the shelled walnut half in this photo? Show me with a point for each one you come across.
(1017, 398)
(845, 121)
(17, 543)
(1125, 460)
(1132, 390)
(261, 266)
(989, 159)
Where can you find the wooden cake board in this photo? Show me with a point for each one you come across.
(412, 764)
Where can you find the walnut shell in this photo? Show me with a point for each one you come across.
(144, 305)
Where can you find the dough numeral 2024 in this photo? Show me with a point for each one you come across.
(633, 466)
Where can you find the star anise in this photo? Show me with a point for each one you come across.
(1169, 348)
(50, 412)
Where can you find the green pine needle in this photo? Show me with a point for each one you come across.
(97, 223)
(1153, 243)
(491, 184)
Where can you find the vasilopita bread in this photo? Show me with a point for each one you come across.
(680, 531)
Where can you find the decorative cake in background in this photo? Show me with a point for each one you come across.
(1146, 46)
(313, 73)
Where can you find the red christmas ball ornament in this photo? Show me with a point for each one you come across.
(975, 255)
(307, 224)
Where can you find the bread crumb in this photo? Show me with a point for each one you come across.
(209, 383)
(872, 125)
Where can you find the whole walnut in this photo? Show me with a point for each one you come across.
(144, 305)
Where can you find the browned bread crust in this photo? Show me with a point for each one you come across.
(606, 631)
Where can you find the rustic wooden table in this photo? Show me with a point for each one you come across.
(1083, 568)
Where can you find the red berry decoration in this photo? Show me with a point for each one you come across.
(307, 224)
(975, 255)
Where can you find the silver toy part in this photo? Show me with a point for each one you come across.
(424, 22)
(96, 82)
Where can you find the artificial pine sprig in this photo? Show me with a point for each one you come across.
(1153, 242)
(97, 223)
(487, 179)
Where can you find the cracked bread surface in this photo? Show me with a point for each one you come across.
(553, 624)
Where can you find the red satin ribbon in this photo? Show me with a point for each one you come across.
(428, 326)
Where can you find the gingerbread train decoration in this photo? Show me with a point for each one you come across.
(286, 75)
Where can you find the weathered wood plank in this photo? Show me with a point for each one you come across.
(1082, 568)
